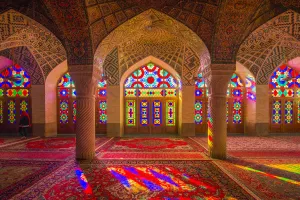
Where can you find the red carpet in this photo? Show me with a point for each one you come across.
(151, 156)
(265, 154)
(138, 180)
(34, 155)
(264, 179)
(151, 145)
(52, 143)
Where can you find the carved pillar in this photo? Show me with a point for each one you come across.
(262, 110)
(188, 111)
(85, 84)
(217, 77)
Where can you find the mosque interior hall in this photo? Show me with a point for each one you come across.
(156, 99)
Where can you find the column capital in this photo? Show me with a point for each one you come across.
(217, 77)
(85, 81)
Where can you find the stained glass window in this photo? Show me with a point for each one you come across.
(235, 100)
(250, 88)
(14, 94)
(151, 76)
(102, 104)
(201, 93)
(130, 112)
(284, 93)
(66, 104)
(151, 91)
(157, 113)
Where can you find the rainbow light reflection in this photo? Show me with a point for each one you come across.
(295, 168)
(269, 175)
(83, 181)
(145, 179)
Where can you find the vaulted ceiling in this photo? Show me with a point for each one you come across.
(221, 25)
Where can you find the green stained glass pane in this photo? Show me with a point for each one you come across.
(170, 112)
(11, 111)
(1, 92)
(288, 113)
(130, 113)
(1, 112)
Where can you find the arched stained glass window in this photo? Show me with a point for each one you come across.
(101, 107)
(151, 100)
(201, 92)
(66, 104)
(284, 102)
(14, 97)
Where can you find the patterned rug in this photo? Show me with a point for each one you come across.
(151, 145)
(49, 144)
(267, 178)
(36, 155)
(241, 143)
(151, 156)
(137, 180)
(19, 175)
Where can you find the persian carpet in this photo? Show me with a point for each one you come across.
(267, 178)
(152, 156)
(151, 145)
(137, 180)
(35, 155)
(19, 175)
(49, 144)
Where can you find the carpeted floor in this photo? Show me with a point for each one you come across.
(150, 168)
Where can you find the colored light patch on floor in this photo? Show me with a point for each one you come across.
(295, 168)
(270, 175)
(141, 179)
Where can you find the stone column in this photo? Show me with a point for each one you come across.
(262, 110)
(38, 110)
(217, 77)
(85, 84)
(115, 115)
(188, 111)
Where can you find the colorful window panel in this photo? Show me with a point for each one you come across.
(102, 112)
(198, 112)
(235, 81)
(199, 92)
(1, 111)
(130, 92)
(102, 84)
(151, 76)
(144, 113)
(238, 92)
(150, 92)
(63, 92)
(200, 83)
(14, 77)
(17, 92)
(237, 111)
(276, 112)
(284, 77)
(64, 111)
(157, 113)
(170, 112)
(11, 111)
(24, 106)
(66, 81)
(130, 112)
(170, 92)
(288, 112)
(74, 111)
(1, 92)
(227, 112)
(282, 93)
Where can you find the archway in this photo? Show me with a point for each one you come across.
(14, 98)
(151, 102)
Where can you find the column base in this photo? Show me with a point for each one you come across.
(85, 155)
(217, 155)
(262, 129)
(187, 129)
